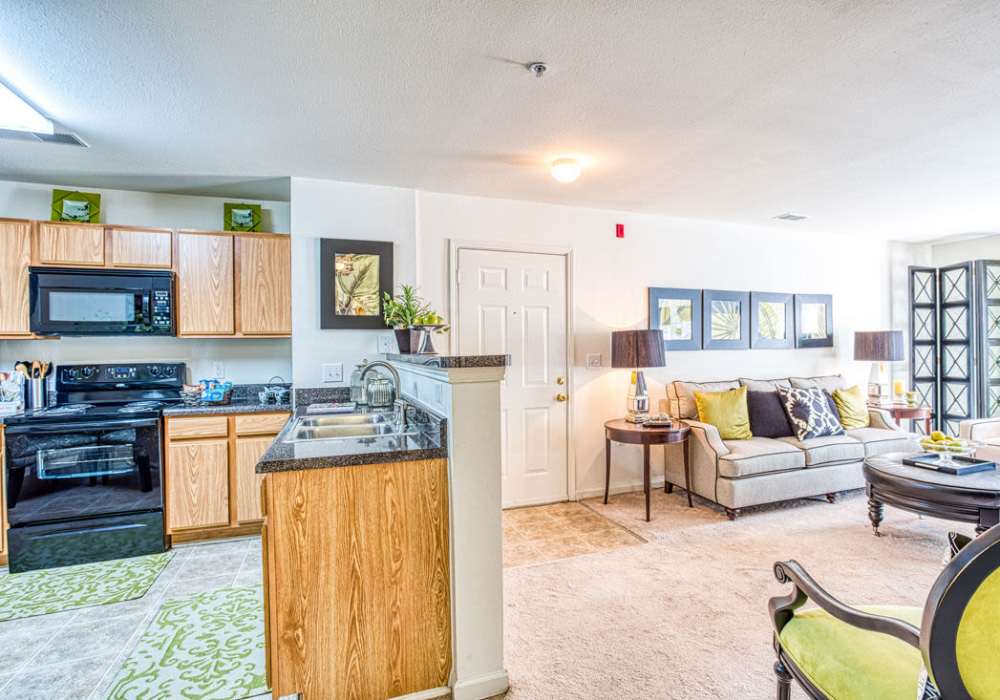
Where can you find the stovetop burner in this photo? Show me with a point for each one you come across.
(140, 406)
(65, 409)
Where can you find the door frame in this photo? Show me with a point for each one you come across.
(455, 246)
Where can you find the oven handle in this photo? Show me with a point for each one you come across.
(75, 427)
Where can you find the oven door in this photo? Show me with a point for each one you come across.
(99, 302)
(85, 469)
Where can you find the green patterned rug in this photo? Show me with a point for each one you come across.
(100, 583)
(206, 646)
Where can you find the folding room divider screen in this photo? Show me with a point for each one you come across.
(955, 340)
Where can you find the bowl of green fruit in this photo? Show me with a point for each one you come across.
(947, 447)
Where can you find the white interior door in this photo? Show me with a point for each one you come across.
(515, 304)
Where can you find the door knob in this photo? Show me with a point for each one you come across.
(561, 381)
(560, 397)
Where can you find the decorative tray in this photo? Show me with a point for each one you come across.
(956, 465)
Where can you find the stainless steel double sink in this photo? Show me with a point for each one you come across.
(343, 426)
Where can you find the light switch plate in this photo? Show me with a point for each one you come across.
(333, 372)
(594, 359)
(386, 343)
(219, 370)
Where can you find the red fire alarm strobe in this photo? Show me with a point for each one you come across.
(619, 230)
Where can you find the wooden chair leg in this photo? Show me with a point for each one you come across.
(784, 680)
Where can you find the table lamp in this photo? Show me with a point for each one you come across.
(635, 350)
(878, 347)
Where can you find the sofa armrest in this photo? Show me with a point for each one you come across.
(979, 429)
(881, 418)
(710, 434)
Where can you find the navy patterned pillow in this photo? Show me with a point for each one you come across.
(810, 413)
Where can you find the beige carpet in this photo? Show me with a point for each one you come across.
(685, 614)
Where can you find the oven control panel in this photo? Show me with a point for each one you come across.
(170, 373)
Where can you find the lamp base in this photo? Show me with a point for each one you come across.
(637, 402)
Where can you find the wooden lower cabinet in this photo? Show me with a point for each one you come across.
(211, 484)
(3, 500)
(356, 580)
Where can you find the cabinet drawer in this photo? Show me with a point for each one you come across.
(261, 423)
(197, 427)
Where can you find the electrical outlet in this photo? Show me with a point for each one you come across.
(333, 372)
(386, 343)
(594, 360)
(219, 370)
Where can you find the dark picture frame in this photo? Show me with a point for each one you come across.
(764, 324)
(807, 323)
(330, 292)
(725, 320)
(676, 298)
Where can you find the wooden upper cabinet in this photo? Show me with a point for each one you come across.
(264, 271)
(205, 284)
(70, 244)
(132, 247)
(15, 257)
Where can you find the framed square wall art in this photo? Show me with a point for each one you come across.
(354, 276)
(677, 313)
(241, 217)
(68, 205)
(725, 320)
(772, 321)
(813, 321)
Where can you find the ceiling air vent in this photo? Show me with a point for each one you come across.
(790, 217)
(65, 139)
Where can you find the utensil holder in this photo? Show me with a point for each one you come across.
(36, 396)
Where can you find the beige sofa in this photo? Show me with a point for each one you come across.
(737, 474)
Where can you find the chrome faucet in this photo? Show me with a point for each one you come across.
(399, 405)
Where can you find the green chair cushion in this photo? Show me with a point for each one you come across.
(848, 663)
(977, 645)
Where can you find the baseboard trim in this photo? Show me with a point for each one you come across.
(620, 488)
(482, 687)
(428, 694)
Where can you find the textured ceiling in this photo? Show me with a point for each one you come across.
(872, 118)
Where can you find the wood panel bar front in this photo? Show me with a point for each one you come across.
(358, 580)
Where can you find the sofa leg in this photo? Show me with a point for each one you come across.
(732, 513)
(669, 488)
(784, 680)
(831, 497)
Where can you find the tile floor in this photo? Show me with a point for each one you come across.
(559, 531)
(76, 654)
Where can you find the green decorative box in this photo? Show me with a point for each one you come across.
(68, 205)
(242, 217)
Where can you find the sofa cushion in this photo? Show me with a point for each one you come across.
(759, 455)
(767, 415)
(852, 407)
(827, 382)
(680, 395)
(764, 384)
(878, 441)
(726, 410)
(829, 449)
(811, 412)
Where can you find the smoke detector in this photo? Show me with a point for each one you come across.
(538, 68)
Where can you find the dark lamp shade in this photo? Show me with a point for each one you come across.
(878, 346)
(634, 349)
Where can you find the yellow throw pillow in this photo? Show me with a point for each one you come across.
(727, 411)
(852, 406)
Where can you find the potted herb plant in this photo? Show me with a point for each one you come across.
(412, 320)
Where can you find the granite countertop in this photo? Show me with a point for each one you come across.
(428, 442)
(451, 361)
(236, 406)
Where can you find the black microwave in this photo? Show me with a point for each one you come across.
(75, 301)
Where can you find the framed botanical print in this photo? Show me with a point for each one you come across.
(677, 313)
(813, 321)
(354, 278)
(725, 320)
(772, 321)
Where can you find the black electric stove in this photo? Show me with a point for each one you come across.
(84, 476)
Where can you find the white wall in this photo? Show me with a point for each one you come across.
(611, 280)
(949, 253)
(328, 209)
(245, 360)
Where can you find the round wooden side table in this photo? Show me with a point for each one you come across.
(620, 430)
(901, 411)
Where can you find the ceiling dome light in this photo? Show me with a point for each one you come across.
(565, 169)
